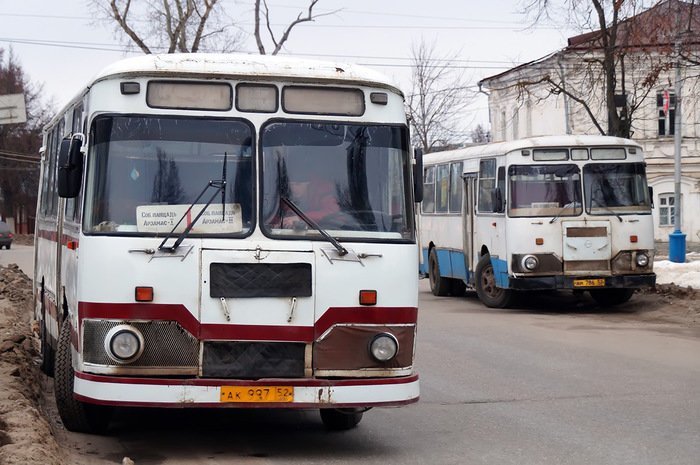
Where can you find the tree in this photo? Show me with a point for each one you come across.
(19, 147)
(279, 43)
(479, 135)
(622, 58)
(189, 26)
(437, 99)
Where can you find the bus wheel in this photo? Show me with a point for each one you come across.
(340, 419)
(610, 297)
(457, 288)
(439, 286)
(485, 280)
(76, 416)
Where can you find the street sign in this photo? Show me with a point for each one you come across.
(12, 109)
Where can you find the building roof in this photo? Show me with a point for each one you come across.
(655, 28)
(659, 26)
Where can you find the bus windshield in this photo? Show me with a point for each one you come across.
(351, 179)
(544, 190)
(617, 188)
(145, 171)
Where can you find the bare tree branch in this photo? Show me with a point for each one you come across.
(169, 25)
(122, 21)
(279, 43)
(438, 96)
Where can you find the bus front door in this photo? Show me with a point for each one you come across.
(468, 206)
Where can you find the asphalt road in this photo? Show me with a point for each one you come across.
(557, 382)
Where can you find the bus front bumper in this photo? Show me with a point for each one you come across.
(536, 283)
(199, 393)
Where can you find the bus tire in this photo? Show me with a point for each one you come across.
(76, 416)
(439, 286)
(340, 419)
(457, 288)
(485, 283)
(611, 297)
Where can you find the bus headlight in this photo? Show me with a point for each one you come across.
(384, 347)
(642, 259)
(529, 262)
(124, 343)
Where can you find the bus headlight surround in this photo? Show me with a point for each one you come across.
(529, 262)
(124, 343)
(384, 347)
(642, 259)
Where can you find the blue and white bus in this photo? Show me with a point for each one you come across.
(555, 212)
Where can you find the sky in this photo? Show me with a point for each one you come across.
(60, 45)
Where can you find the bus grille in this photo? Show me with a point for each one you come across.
(587, 265)
(253, 360)
(166, 344)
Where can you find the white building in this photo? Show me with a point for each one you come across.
(564, 93)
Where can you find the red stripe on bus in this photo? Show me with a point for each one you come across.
(66, 239)
(297, 382)
(179, 313)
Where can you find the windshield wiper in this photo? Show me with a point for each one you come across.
(341, 250)
(607, 209)
(218, 185)
(568, 206)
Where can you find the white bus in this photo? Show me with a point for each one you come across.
(228, 231)
(556, 212)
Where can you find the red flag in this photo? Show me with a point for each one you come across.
(667, 101)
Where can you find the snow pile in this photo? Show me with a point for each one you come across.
(681, 274)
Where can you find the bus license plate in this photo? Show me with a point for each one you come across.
(600, 282)
(257, 394)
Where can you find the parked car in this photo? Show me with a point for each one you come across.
(5, 235)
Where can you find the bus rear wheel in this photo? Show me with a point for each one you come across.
(76, 415)
(439, 286)
(485, 283)
(340, 419)
(611, 297)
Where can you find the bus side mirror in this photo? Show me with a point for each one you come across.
(651, 196)
(497, 200)
(418, 175)
(70, 167)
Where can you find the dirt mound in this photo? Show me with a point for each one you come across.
(23, 239)
(25, 435)
(675, 291)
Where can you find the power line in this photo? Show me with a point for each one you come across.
(352, 12)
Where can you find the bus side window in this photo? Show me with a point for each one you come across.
(487, 182)
(45, 175)
(429, 190)
(442, 188)
(73, 204)
(456, 187)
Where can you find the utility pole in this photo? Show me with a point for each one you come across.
(676, 240)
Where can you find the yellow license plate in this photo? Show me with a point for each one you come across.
(600, 282)
(257, 394)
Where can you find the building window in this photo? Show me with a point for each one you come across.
(667, 209)
(666, 109)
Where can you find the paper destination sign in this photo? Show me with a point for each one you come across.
(162, 218)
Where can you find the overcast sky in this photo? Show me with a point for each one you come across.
(60, 46)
